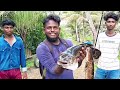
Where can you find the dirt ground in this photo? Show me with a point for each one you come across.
(33, 73)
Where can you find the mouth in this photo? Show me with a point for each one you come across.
(9, 32)
(110, 26)
(52, 35)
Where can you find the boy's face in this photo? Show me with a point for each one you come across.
(8, 29)
(110, 23)
(52, 29)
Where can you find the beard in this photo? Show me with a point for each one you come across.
(52, 39)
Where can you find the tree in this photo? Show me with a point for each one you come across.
(93, 29)
(29, 27)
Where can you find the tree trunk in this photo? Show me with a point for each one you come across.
(77, 32)
(83, 29)
(91, 24)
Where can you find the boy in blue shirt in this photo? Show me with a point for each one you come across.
(12, 53)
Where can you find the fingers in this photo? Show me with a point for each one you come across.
(83, 52)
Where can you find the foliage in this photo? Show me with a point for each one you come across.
(83, 26)
(34, 38)
(30, 63)
(29, 27)
(6, 15)
(1, 32)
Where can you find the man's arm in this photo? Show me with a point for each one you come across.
(23, 61)
(47, 60)
(22, 58)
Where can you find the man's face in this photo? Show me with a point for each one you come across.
(52, 30)
(110, 23)
(8, 29)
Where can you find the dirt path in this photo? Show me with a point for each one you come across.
(33, 73)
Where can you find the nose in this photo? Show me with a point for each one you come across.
(9, 28)
(52, 29)
(111, 23)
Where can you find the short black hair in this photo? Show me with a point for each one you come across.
(53, 17)
(8, 22)
(111, 15)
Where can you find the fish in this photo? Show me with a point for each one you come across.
(69, 55)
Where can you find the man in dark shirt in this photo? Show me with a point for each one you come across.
(52, 30)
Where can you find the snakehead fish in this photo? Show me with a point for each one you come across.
(69, 55)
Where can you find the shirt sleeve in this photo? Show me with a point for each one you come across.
(69, 43)
(45, 57)
(22, 57)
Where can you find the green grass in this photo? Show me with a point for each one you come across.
(30, 63)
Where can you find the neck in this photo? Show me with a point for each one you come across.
(110, 32)
(8, 36)
(57, 42)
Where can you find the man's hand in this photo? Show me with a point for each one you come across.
(70, 66)
(24, 75)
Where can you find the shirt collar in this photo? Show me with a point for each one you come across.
(13, 34)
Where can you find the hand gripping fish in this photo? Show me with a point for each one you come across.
(69, 55)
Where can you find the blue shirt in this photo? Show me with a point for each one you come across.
(49, 61)
(12, 57)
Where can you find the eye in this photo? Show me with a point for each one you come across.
(49, 28)
(55, 27)
(8, 27)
